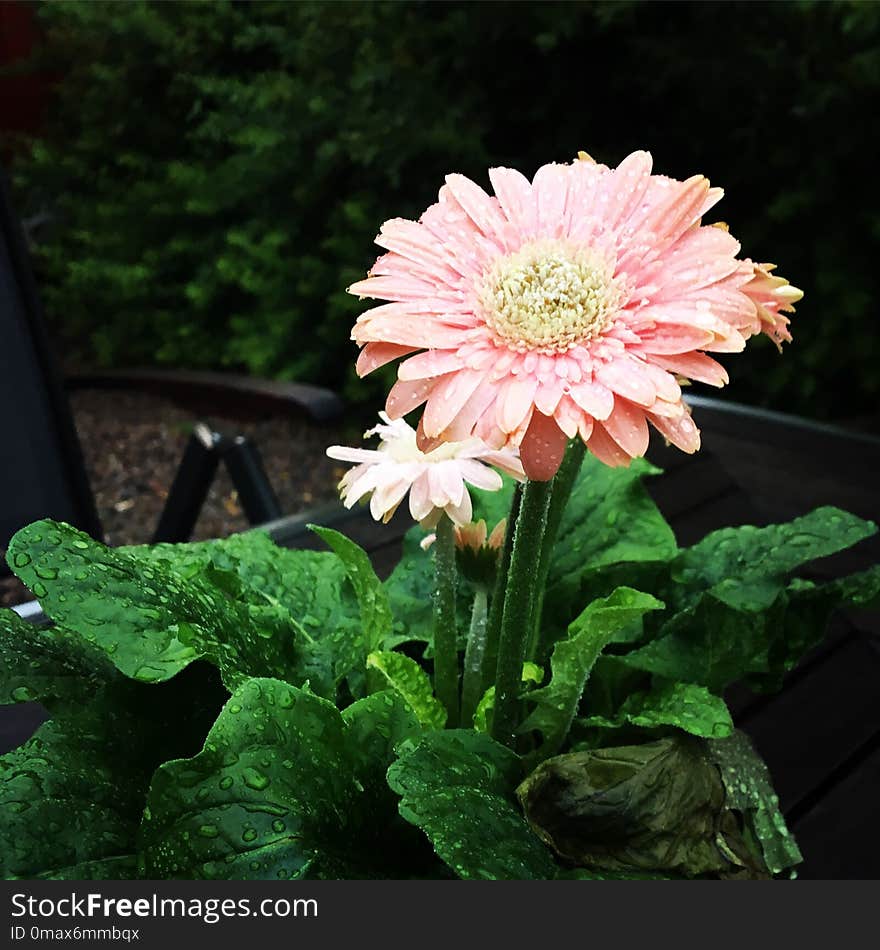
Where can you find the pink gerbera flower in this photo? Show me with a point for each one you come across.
(436, 480)
(560, 307)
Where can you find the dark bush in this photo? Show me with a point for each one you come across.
(215, 173)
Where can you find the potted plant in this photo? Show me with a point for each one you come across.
(537, 689)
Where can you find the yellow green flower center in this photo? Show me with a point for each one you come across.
(549, 297)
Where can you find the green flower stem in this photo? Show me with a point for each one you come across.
(445, 645)
(472, 687)
(496, 608)
(563, 483)
(515, 622)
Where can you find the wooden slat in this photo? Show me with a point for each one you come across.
(810, 729)
(840, 835)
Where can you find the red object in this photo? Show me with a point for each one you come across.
(23, 98)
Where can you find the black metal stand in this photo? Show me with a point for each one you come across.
(204, 452)
(255, 492)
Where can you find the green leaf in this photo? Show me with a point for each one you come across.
(407, 678)
(610, 519)
(409, 589)
(47, 663)
(280, 791)
(64, 802)
(573, 659)
(531, 673)
(457, 787)
(71, 798)
(713, 643)
(371, 595)
(746, 567)
(152, 619)
(121, 868)
(493, 506)
(685, 706)
(132, 613)
(311, 586)
(750, 791)
(657, 808)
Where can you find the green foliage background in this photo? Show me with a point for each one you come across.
(216, 172)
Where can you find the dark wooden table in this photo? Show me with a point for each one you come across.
(821, 734)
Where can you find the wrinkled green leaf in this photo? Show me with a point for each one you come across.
(121, 868)
(573, 659)
(531, 673)
(311, 586)
(713, 643)
(750, 791)
(47, 663)
(279, 791)
(657, 808)
(610, 518)
(131, 612)
(71, 797)
(63, 802)
(409, 588)
(685, 706)
(371, 595)
(746, 567)
(457, 787)
(406, 677)
(152, 622)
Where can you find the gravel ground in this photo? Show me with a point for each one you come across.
(133, 443)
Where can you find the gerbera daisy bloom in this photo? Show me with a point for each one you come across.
(569, 305)
(436, 480)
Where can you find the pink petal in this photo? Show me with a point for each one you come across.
(430, 363)
(681, 432)
(542, 448)
(415, 242)
(482, 209)
(627, 426)
(622, 191)
(625, 376)
(447, 399)
(404, 396)
(682, 206)
(396, 288)
(696, 366)
(605, 448)
(675, 338)
(550, 188)
(548, 395)
(515, 197)
(594, 398)
(374, 355)
(515, 400)
(568, 416)
(416, 332)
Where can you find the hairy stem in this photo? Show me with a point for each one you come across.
(445, 646)
(496, 608)
(563, 483)
(515, 621)
(472, 686)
